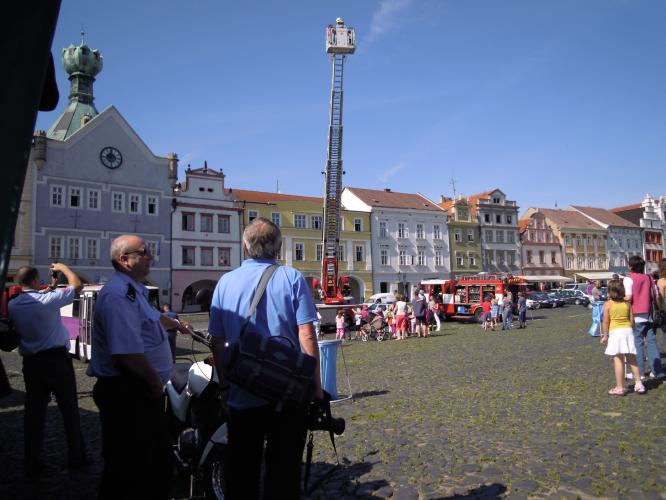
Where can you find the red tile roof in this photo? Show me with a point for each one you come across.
(392, 199)
(626, 207)
(568, 219)
(605, 216)
(523, 223)
(265, 197)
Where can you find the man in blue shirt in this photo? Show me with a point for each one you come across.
(132, 362)
(47, 366)
(285, 309)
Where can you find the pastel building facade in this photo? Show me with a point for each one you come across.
(624, 237)
(541, 250)
(300, 219)
(409, 237)
(498, 226)
(93, 179)
(464, 236)
(206, 238)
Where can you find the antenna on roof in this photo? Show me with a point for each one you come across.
(555, 203)
(277, 186)
(453, 186)
(83, 35)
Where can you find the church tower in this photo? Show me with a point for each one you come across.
(82, 64)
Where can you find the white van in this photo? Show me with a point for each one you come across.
(383, 298)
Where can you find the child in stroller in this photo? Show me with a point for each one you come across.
(374, 327)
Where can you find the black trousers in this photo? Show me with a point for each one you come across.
(47, 372)
(135, 440)
(284, 433)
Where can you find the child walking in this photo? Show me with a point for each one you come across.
(617, 328)
(494, 312)
(340, 326)
(487, 320)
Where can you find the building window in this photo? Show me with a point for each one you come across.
(489, 255)
(570, 261)
(420, 257)
(460, 261)
(117, 202)
(542, 257)
(279, 254)
(224, 257)
(154, 250)
(134, 203)
(529, 257)
(92, 249)
(275, 218)
(383, 257)
(420, 234)
(319, 251)
(589, 241)
(509, 219)
(151, 205)
(403, 258)
(251, 215)
(590, 262)
(567, 239)
(496, 201)
(359, 253)
(358, 226)
(489, 235)
(300, 221)
(511, 236)
(577, 241)
(223, 224)
(486, 218)
(553, 258)
(438, 258)
(187, 221)
(315, 221)
(472, 261)
(437, 232)
(93, 199)
(498, 218)
(75, 197)
(188, 256)
(499, 236)
(602, 262)
(382, 229)
(206, 256)
(470, 235)
(500, 258)
(581, 262)
(55, 247)
(341, 253)
(73, 248)
(299, 252)
(57, 193)
(402, 231)
(457, 235)
(206, 225)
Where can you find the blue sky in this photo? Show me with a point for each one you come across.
(557, 101)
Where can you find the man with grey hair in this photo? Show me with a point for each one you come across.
(132, 361)
(285, 309)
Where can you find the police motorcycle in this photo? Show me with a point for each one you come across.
(197, 415)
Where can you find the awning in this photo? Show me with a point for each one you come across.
(599, 275)
(545, 277)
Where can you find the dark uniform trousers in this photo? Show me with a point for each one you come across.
(284, 433)
(135, 440)
(46, 372)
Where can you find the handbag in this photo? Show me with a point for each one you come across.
(657, 316)
(270, 367)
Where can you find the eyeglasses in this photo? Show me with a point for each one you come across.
(144, 252)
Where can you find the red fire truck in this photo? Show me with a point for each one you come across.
(461, 298)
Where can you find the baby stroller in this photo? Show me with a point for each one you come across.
(375, 328)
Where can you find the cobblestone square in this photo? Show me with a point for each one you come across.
(464, 413)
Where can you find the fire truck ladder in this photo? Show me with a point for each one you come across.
(333, 182)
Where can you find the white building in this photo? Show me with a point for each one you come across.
(205, 236)
(410, 240)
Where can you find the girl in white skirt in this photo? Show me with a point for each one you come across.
(618, 334)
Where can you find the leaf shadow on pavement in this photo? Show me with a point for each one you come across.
(485, 492)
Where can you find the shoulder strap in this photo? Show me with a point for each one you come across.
(259, 293)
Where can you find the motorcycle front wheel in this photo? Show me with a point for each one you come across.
(214, 472)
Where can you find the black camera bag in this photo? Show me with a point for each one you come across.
(270, 367)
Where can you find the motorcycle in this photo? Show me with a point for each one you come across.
(197, 415)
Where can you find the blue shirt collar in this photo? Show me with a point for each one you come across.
(126, 279)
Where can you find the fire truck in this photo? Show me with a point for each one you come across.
(461, 297)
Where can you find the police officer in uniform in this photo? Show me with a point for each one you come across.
(132, 361)
(47, 365)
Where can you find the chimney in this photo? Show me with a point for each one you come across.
(39, 146)
(173, 168)
(388, 190)
(443, 199)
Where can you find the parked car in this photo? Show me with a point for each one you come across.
(537, 300)
(557, 298)
(575, 297)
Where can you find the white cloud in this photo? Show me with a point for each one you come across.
(386, 18)
(390, 172)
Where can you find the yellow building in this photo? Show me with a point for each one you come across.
(300, 219)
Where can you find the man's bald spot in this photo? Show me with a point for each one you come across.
(124, 244)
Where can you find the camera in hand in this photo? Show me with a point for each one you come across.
(55, 276)
(320, 418)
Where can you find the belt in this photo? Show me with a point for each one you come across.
(47, 352)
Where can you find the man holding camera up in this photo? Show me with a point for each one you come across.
(47, 366)
(286, 309)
